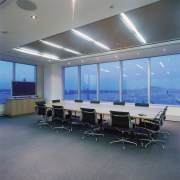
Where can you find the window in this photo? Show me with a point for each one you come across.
(24, 72)
(71, 83)
(165, 78)
(6, 77)
(135, 81)
(88, 82)
(109, 81)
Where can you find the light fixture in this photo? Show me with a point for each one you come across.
(34, 17)
(104, 70)
(69, 63)
(131, 26)
(59, 47)
(139, 66)
(162, 65)
(84, 36)
(36, 53)
(82, 61)
(164, 49)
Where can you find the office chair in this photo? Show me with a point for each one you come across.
(78, 100)
(95, 102)
(121, 121)
(76, 114)
(142, 104)
(89, 117)
(163, 118)
(42, 110)
(118, 103)
(151, 128)
(56, 101)
(59, 117)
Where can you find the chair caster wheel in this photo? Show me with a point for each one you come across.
(142, 145)
(96, 139)
(57, 132)
(163, 147)
(82, 138)
(124, 148)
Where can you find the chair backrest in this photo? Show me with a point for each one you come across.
(56, 101)
(89, 116)
(41, 110)
(142, 104)
(40, 103)
(120, 119)
(95, 102)
(118, 103)
(78, 100)
(58, 112)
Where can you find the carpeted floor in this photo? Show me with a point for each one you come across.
(30, 153)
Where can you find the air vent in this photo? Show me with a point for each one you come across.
(2, 1)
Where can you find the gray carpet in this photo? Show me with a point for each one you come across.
(30, 153)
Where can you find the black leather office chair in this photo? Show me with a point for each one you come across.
(163, 118)
(56, 101)
(78, 100)
(59, 118)
(142, 104)
(121, 121)
(95, 102)
(89, 117)
(42, 110)
(151, 129)
(118, 103)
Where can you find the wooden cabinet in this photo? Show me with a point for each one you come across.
(18, 106)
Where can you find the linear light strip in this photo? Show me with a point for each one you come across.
(131, 26)
(84, 36)
(59, 47)
(36, 53)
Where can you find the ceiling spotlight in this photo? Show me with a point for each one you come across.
(138, 53)
(69, 63)
(97, 59)
(116, 56)
(82, 61)
(34, 17)
(49, 60)
(164, 49)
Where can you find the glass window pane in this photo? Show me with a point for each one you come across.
(135, 81)
(165, 78)
(6, 77)
(71, 83)
(24, 72)
(109, 72)
(88, 82)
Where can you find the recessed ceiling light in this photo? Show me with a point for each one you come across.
(97, 59)
(82, 61)
(164, 49)
(116, 56)
(49, 60)
(34, 17)
(138, 53)
(69, 63)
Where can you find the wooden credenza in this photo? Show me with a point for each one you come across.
(18, 106)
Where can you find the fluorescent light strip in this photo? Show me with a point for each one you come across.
(162, 65)
(51, 44)
(139, 66)
(36, 53)
(130, 25)
(59, 47)
(89, 39)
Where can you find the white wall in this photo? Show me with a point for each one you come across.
(52, 82)
(40, 81)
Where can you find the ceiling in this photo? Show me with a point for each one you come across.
(156, 20)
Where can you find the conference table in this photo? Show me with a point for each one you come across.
(136, 112)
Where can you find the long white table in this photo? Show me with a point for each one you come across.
(105, 108)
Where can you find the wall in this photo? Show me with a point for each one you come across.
(52, 82)
(40, 81)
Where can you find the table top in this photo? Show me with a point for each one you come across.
(105, 108)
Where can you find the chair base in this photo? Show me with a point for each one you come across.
(63, 128)
(43, 123)
(150, 141)
(123, 140)
(91, 133)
